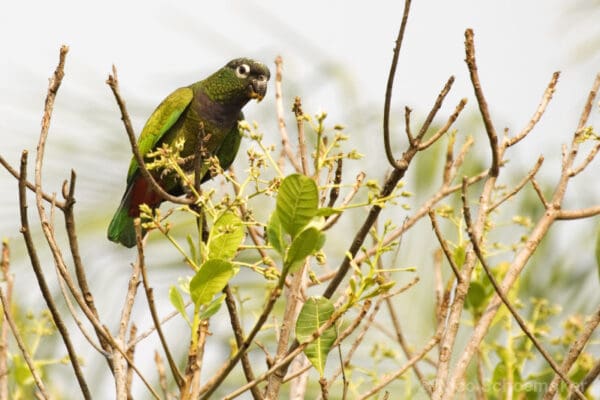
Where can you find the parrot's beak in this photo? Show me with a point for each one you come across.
(258, 89)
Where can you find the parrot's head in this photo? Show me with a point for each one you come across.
(239, 81)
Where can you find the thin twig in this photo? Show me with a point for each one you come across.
(442, 131)
(444, 245)
(578, 214)
(130, 354)
(588, 379)
(402, 341)
(68, 212)
(238, 333)
(150, 297)
(387, 379)
(337, 180)
(357, 184)
(162, 375)
(538, 112)
(297, 108)
(477, 249)
(120, 369)
(520, 185)
(483, 107)
(285, 139)
(389, 90)
(21, 344)
(8, 278)
(149, 331)
(540, 193)
(49, 198)
(574, 352)
(65, 292)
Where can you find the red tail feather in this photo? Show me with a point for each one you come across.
(141, 192)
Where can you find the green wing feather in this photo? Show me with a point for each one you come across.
(163, 118)
(229, 147)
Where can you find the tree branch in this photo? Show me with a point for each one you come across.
(389, 89)
(483, 107)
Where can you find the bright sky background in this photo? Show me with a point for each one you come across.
(158, 46)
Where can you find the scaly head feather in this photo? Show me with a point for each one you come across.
(237, 82)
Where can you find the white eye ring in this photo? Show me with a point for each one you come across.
(242, 71)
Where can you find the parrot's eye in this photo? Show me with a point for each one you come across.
(242, 71)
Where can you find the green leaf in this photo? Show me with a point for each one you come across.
(327, 211)
(297, 202)
(193, 252)
(212, 308)
(308, 242)
(225, 237)
(476, 296)
(210, 279)
(315, 312)
(459, 255)
(177, 301)
(275, 234)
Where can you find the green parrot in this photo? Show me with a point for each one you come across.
(214, 103)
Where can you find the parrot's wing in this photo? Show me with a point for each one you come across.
(230, 146)
(163, 118)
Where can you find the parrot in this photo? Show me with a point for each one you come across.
(213, 104)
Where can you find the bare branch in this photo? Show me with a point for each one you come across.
(297, 108)
(238, 333)
(357, 184)
(538, 112)
(483, 107)
(444, 245)
(590, 157)
(337, 180)
(578, 214)
(387, 379)
(587, 109)
(520, 185)
(389, 89)
(150, 297)
(285, 139)
(402, 340)
(49, 198)
(540, 193)
(162, 375)
(587, 380)
(435, 137)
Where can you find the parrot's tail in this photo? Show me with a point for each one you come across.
(121, 229)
